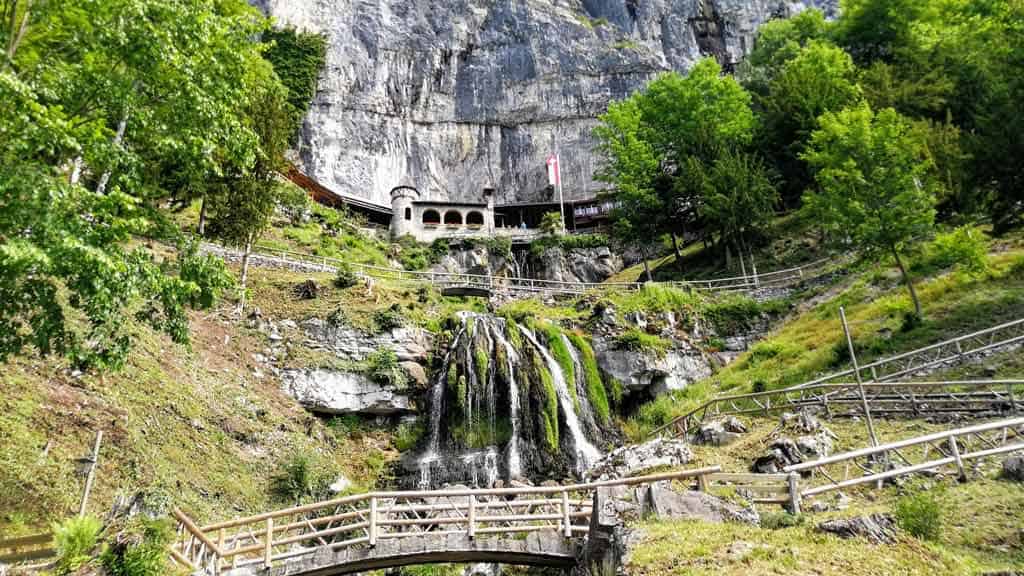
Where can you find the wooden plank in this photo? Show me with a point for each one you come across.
(30, 555)
(746, 478)
(26, 540)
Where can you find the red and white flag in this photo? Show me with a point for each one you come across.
(554, 170)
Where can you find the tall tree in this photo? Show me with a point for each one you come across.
(739, 196)
(870, 169)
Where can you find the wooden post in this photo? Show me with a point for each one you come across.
(472, 517)
(860, 383)
(373, 521)
(702, 483)
(220, 546)
(268, 544)
(92, 473)
(956, 456)
(1013, 402)
(794, 493)
(566, 517)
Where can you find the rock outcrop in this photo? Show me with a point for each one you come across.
(635, 458)
(409, 344)
(1013, 468)
(877, 528)
(590, 265)
(451, 95)
(656, 374)
(336, 392)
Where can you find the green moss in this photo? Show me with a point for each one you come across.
(482, 363)
(563, 356)
(549, 402)
(512, 334)
(595, 388)
(635, 340)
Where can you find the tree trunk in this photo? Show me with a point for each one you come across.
(245, 272)
(17, 32)
(675, 248)
(728, 255)
(908, 282)
(647, 267)
(101, 188)
(202, 217)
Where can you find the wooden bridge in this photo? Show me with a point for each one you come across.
(534, 525)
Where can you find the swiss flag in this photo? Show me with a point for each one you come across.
(554, 171)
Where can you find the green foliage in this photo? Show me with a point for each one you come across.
(739, 196)
(638, 341)
(408, 435)
(779, 41)
(383, 368)
(147, 557)
(345, 277)
(654, 298)
(297, 58)
(551, 223)
(414, 255)
(596, 392)
(304, 477)
(870, 169)
(482, 362)
(207, 273)
(539, 374)
(568, 242)
(734, 313)
(964, 247)
(920, 514)
(388, 319)
(75, 539)
(562, 355)
(778, 520)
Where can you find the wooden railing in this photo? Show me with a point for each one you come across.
(842, 399)
(365, 519)
(876, 464)
(27, 548)
(775, 278)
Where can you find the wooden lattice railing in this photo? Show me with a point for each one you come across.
(953, 448)
(365, 519)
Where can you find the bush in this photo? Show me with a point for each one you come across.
(638, 341)
(777, 520)
(388, 319)
(208, 273)
(551, 223)
(346, 277)
(964, 247)
(920, 514)
(303, 478)
(382, 367)
(408, 435)
(75, 539)
(146, 558)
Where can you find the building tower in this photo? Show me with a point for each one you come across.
(402, 221)
(489, 213)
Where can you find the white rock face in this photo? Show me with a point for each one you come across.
(409, 343)
(333, 392)
(676, 370)
(449, 95)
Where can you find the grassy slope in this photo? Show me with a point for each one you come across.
(196, 423)
(810, 342)
(981, 523)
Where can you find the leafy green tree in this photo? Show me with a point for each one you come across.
(777, 42)
(821, 78)
(297, 58)
(630, 167)
(873, 30)
(551, 223)
(870, 170)
(739, 196)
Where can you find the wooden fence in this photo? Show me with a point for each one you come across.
(27, 548)
(954, 448)
(365, 519)
(781, 489)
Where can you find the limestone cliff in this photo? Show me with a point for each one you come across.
(447, 95)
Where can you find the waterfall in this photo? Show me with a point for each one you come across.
(436, 409)
(511, 360)
(586, 410)
(586, 453)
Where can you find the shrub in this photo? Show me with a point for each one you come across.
(408, 435)
(346, 277)
(638, 341)
(551, 223)
(777, 520)
(382, 367)
(75, 539)
(147, 557)
(920, 514)
(208, 273)
(963, 247)
(303, 478)
(388, 319)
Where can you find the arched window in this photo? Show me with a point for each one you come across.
(408, 213)
(431, 217)
(474, 218)
(452, 218)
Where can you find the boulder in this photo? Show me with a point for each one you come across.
(629, 460)
(336, 392)
(803, 421)
(818, 445)
(675, 370)
(1013, 468)
(668, 503)
(416, 372)
(720, 432)
(589, 265)
(408, 343)
(781, 453)
(877, 528)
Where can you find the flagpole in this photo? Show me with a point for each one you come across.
(558, 178)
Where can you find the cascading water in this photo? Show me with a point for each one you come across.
(497, 406)
(586, 453)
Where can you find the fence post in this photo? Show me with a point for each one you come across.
(268, 545)
(373, 521)
(94, 459)
(860, 383)
(794, 493)
(472, 516)
(956, 456)
(566, 517)
(702, 483)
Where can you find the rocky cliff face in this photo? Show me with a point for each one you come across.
(449, 95)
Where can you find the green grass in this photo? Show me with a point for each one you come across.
(638, 341)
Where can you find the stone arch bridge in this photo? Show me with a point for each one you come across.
(540, 526)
